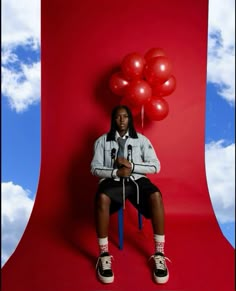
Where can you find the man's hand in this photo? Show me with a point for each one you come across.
(122, 162)
(124, 172)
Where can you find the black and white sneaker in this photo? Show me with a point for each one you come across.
(104, 270)
(160, 273)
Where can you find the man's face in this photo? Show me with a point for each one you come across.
(122, 121)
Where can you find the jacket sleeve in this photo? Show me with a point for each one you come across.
(98, 167)
(150, 163)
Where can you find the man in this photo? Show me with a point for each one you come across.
(122, 158)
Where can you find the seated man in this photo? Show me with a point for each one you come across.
(122, 158)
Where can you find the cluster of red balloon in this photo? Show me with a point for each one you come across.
(143, 81)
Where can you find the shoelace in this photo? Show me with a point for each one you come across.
(106, 262)
(160, 261)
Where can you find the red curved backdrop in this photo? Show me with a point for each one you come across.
(82, 43)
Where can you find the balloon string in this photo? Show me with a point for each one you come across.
(142, 119)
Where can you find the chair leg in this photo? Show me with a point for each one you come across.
(121, 228)
(140, 220)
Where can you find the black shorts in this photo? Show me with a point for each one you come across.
(114, 189)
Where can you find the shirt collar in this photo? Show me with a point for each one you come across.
(125, 136)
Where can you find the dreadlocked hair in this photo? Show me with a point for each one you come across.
(132, 131)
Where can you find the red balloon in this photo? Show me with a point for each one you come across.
(132, 66)
(134, 109)
(156, 109)
(165, 89)
(138, 92)
(158, 70)
(118, 83)
(154, 52)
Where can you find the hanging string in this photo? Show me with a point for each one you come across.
(142, 119)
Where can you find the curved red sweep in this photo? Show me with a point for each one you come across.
(82, 43)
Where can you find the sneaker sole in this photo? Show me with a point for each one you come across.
(161, 280)
(106, 280)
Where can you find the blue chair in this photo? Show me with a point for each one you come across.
(121, 226)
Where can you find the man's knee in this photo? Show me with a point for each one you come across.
(156, 197)
(103, 200)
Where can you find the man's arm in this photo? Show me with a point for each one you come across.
(124, 167)
(98, 167)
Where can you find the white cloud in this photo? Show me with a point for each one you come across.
(221, 48)
(16, 209)
(20, 23)
(21, 87)
(8, 57)
(20, 27)
(220, 172)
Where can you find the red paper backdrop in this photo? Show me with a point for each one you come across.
(83, 42)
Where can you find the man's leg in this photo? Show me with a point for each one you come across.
(102, 217)
(157, 213)
(161, 274)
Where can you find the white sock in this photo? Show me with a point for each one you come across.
(103, 244)
(159, 243)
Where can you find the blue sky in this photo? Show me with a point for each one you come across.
(21, 116)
